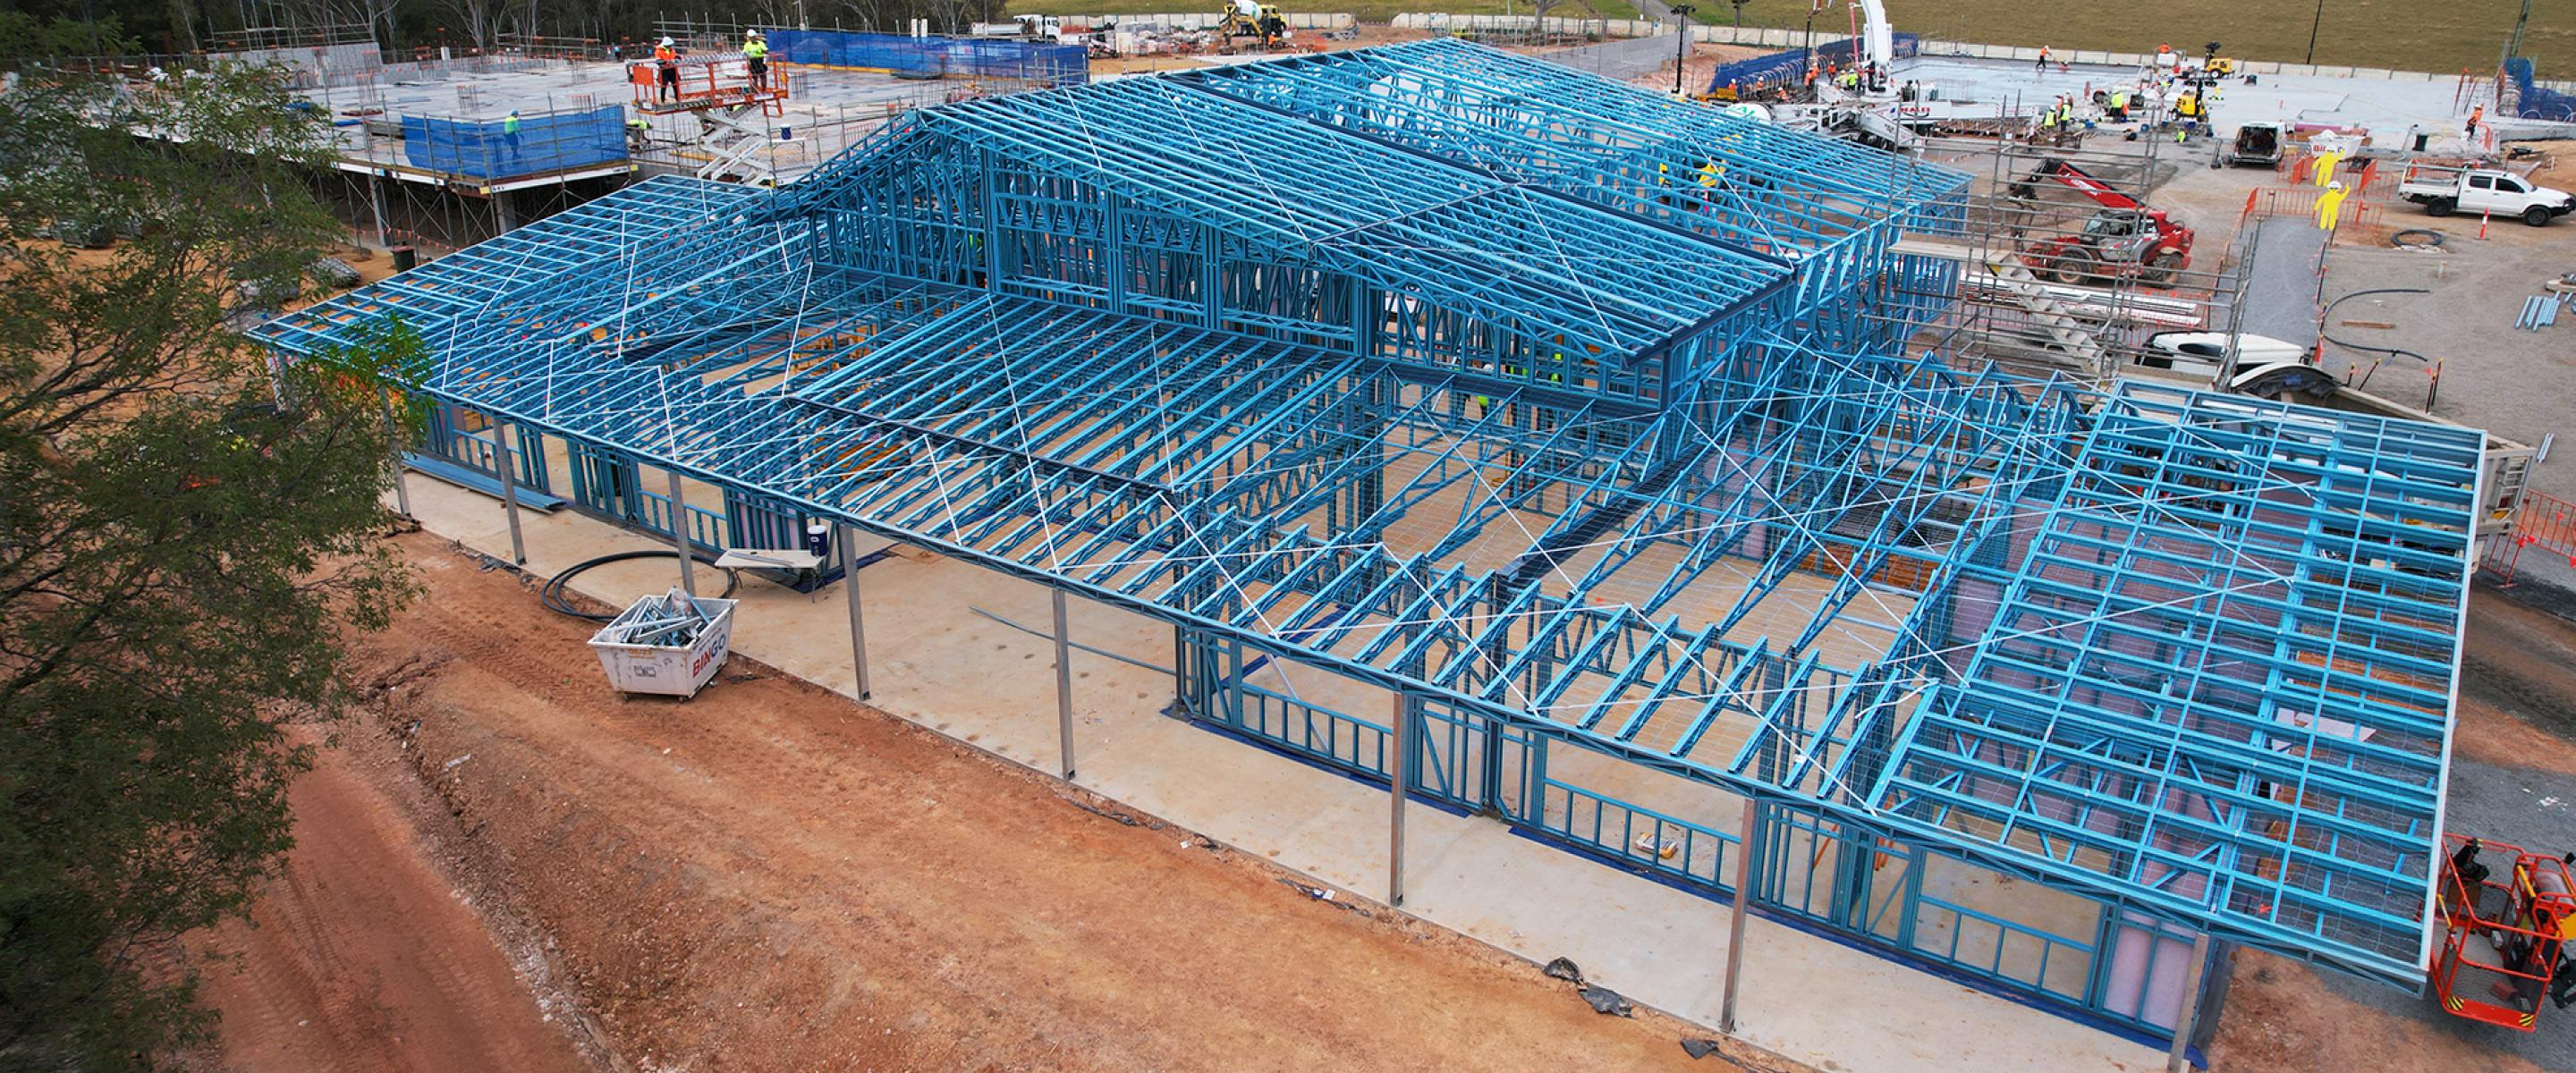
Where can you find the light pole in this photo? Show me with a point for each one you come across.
(1681, 49)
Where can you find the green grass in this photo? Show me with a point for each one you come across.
(2413, 35)
(1366, 10)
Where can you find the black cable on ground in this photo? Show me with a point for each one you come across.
(2424, 238)
(2327, 318)
(554, 598)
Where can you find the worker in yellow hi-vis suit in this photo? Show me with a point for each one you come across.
(2330, 206)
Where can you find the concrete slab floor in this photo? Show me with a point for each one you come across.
(936, 662)
(2386, 107)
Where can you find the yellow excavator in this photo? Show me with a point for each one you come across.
(1251, 18)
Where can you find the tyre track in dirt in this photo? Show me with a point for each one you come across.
(773, 877)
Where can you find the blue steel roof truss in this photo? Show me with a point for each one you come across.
(1405, 373)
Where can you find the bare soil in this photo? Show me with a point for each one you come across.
(774, 877)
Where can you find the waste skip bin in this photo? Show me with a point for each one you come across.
(671, 644)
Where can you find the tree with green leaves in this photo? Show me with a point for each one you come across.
(187, 539)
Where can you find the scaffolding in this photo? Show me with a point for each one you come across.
(1579, 438)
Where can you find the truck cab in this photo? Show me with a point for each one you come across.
(2444, 190)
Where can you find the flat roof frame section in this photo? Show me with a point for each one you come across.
(1259, 489)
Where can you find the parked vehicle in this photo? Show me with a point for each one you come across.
(2265, 367)
(2124, 238)
(2258, 144)
(2444, 189)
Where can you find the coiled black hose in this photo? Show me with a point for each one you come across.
(556, 600)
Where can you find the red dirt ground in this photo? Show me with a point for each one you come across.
(773, 877)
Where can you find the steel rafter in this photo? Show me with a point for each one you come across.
(1384, 363)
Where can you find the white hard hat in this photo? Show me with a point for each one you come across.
(2335, 185)
(665, 41)
(753, 33)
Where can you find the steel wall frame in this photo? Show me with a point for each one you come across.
(1095, 337)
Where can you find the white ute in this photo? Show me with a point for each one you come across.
(2445, 190)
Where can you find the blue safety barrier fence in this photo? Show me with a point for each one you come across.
(487, 150)
(934, 57)
(1791, 65)
(2536, 101)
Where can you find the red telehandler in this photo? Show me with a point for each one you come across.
(2123, 238)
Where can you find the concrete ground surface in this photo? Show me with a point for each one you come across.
(2387, 108)
(935, 661)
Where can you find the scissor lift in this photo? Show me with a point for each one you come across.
(715, 81)
(2501, 932)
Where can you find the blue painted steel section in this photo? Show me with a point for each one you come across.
(933, 57)
(1438, 372)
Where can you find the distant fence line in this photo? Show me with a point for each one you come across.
(1201, 20)
(1620, 59)
(1773, 37)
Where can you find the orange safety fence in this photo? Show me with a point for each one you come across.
(2265, 202)
(2540, 521)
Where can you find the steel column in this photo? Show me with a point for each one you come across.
(502, 461)
(1735, 924)
(1400, 772)
(850, 584)
(680, 535)
(1063, 689)
(394, 443)
(2175, 1060)
(376, 201)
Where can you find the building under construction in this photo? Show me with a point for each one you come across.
(1573, 434)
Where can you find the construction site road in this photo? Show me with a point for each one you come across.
(773, 877)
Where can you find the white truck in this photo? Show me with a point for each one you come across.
(1025, 27)
(2444, 189)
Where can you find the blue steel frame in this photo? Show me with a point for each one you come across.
(1445, 371)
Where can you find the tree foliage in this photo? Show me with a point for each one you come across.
(185, 540)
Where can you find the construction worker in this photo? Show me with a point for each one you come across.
(2119, 105)
(755, 54)
(2475, 114)
(510, 132)
(2042, 65)
(639, 133)
(666, 62)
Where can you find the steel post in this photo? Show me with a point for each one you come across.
(1399, 772)
(1735, 924)
(1063, 689)
(2175, 1059)
(680, 536)
(1181, 672)
(394, 439)
(503, 461)
(850, 586)
(376, 201)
